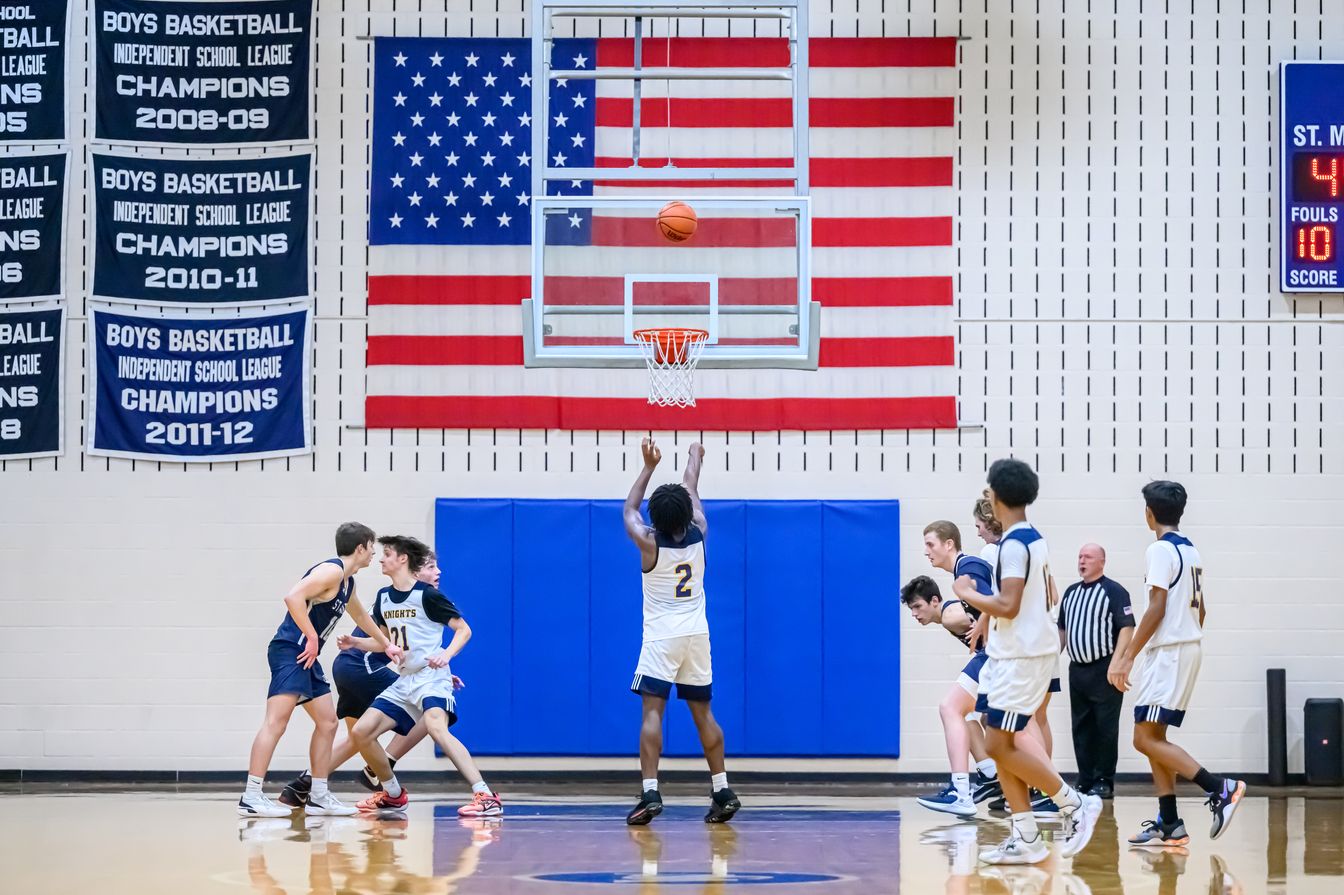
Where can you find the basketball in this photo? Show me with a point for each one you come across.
(677, 221)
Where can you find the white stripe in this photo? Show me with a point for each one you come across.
(832, 202)
(506, 320)
(777, 142)
(840, 83)
(828, 382)
(579, 261)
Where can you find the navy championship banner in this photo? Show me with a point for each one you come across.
(207, 73)
(33, 40)
(199, 389)
(31, 380)
(32, 232)
(211, 231)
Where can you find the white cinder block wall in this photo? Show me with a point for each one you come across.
(1118, 321)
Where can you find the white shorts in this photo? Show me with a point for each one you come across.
(1011, 690)
(411, 695)
(683, 661)
(1164, 682)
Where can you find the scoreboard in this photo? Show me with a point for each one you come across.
(1311, 176)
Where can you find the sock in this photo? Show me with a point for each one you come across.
(1067, 797)
(962, 784)
(253, 785)
(319, 787)
(988, 768)
(479, 786)
(391, 786)
(1024, 825)
(1208, 782)
(718, 781)
(650, 783)
(1166, 810)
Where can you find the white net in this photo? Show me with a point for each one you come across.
(671, 355)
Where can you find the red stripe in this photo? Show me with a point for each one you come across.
(882, 292)
(633, 414)
(839, 292)
(710, 233)
(743, 112)
(855, 232)
(451, 351)
(771, 52)
(833, 172)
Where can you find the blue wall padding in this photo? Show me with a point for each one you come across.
(803, 614)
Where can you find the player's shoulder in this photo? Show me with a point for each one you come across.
(972, 565)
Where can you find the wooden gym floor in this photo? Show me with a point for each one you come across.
(110, 841)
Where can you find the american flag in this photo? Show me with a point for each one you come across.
(449, 228)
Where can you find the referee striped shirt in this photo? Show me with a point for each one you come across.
(1091, 615)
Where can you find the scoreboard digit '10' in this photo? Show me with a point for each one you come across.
(1311, 176)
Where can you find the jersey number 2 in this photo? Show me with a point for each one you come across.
(684, 585)
(1197, 576)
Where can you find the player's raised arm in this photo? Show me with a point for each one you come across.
(691, 481)
(308, 589)
(635, 526)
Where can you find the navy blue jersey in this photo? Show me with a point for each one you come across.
(322, 616)
(371, 661)
(981, 574)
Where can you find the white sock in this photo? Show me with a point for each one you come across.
(1024, 825)
(962, 784)
(1067, 797)
(987, 767)
(479, 786)
(650, 783)
(253, 785)
(391, 786)
(319, 788)
(718, 781)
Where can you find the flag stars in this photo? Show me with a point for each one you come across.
(450, 199)
(416, 159)
(470, 139)
(504, 219)
(575, 221)
(453, 119)
(399, 99)
(488, 120)
(506, 139)
(398, 180)
(469, 181)
(417, 119)
(561, 120)
(451, 158)
(435, 99)
(522, 198)
(415, 198)
(487, 198)
(436, 59)
(488, 160)
(506, 99)
(454, 79)
(562, 82)
(505, 180)
(435, 139)
(432, 181)
(525, 120)
(580, 61)
(525, 80)
(418, 79)
(471, 99)
(490, 80)
(580, 100)
(432, 220)
(524, 159)
(399, 139)
(472, 59)
(400, 59)
(468, 220)
(577, 184)
(395, 220)
(578, 140)
(507, 60)
(559, 159)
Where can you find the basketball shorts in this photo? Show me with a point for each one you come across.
(1164, 682)
(1014, 689)
(683, 661)
(969, 679)
(288, 676)
(356, 688)
(407, 700)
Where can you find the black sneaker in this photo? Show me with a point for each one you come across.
(369, 780)
(296, 792)
(650, 806)
(999, 805)
(1224, 805)
(723, 805)
(986, 788)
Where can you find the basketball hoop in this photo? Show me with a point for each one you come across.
(671, 354)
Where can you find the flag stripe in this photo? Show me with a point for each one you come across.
(736, 414)
(823, 172)
(403, 350)
(767, 52)
(854, 292)
(777, 112)
(777, 232)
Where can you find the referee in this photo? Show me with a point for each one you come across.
(1095, 622)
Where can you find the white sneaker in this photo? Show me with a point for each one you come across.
(260, 806)
(1018, 880)
(1078, 826)
(1016, 850)
(949, 801)
(327, 805)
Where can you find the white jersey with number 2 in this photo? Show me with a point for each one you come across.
(674, 589)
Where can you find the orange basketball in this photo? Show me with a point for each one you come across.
(677, 221)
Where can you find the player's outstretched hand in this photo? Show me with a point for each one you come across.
(457, 683)
(651, 453)
(394, 653)
(438, 660)
(344, 642)
(309, 654)
(1118, 673)
(697, 450)
(978, 631)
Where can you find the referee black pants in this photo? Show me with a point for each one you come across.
(1096, 709)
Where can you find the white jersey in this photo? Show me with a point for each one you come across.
(415, 621)
(990, 554)
(1173, 564)
(1023, 554)
(674, 589)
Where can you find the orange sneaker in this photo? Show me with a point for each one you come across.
(380, 800)
(483, 804)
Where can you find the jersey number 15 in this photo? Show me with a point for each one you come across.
(1197, 578)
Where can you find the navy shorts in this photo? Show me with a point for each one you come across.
(356, 689)
(1054, 685)
(972, 669)
(288, 676)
